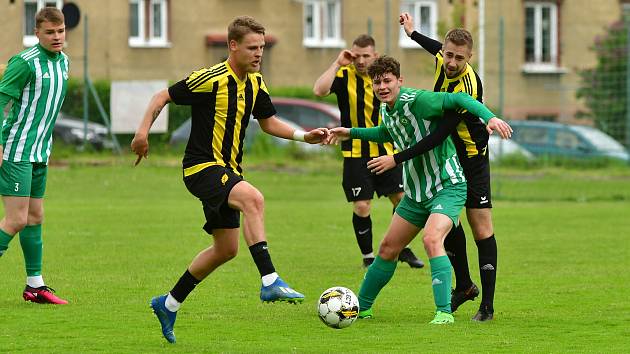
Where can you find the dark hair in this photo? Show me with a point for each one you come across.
(243, 25)
(49, 14)
(459, 36)
(364, 40)
(383, 65)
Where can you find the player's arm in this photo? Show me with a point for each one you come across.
(140, 142)
(378, 134)
(324, 83)
(276, 127)
(431, 45)
(4, 100)
(16, 76)
(384, 163)
(462, 100)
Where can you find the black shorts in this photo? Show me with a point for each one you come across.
(212, 186)
(360, 184)
(477, 172)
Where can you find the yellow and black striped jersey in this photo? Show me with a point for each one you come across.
(359, 108)
(221, 105)
(471, 138)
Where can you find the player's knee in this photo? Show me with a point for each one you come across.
(230, 252)
(16, 224)
(432, 242)
(35, 218)
(362, 208)
(388, 251)
(255, 203)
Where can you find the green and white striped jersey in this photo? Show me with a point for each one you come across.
(415, 114)
(36, 79)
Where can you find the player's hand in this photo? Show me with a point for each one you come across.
(316, 136)
(345, 58)
(406, 21)
(140, 147)
(381, 164)
(498, 124)
(338, 134)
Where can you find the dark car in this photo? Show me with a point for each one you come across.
(566, 140)
(70, 131)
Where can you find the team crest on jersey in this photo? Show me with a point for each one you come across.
(224, 178)
(240, 97)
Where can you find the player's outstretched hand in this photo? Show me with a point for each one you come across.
(498, 124)
(140, 147)
(338, 134)
(406, 21)
(316, 136)
(381, 164)
(345, 58)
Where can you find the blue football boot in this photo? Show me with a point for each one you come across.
(280, 291)
(166, 317)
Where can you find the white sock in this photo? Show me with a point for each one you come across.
(369, 255)
(35, 281)
(269, 278)
(172, 304)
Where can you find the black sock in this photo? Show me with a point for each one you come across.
(455, 246)
(260, 254)
(487, 249)
(363, 232)
(184, 286)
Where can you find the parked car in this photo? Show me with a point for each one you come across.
(566, 140)
(499, 148)
(308, 114)
(70, 131)
(182, 133)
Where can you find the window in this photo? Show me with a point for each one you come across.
(148, 23)
(424, 15)
(322, 24)
(541, 36)
(30, 10)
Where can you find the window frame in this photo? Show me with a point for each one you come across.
(320, 23)
(538, 65)
(29, 40)
(146, 37)
(403, 40)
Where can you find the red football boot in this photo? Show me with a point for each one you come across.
(42, 295)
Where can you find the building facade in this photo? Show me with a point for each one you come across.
(529, 65)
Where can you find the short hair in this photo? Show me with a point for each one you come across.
(459, 36)
(364, 40)
(49, 14)
(383, 65)
(243, 25)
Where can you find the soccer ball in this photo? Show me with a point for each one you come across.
(338, 307)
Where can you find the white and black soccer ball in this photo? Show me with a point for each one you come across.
(338, 307)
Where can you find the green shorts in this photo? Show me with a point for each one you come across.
(23, 179)
(449, 201)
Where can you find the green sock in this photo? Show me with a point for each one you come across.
(441, 281)
(5, 238)
(377, 276)
(31, 241)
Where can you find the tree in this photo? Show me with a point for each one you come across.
(604, 87)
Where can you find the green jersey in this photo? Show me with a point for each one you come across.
(36, 80)
(415, 114)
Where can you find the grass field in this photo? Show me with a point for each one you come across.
(115, 236)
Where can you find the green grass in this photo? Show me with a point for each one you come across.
(116, 235)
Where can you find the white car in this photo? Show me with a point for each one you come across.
(500, 148)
